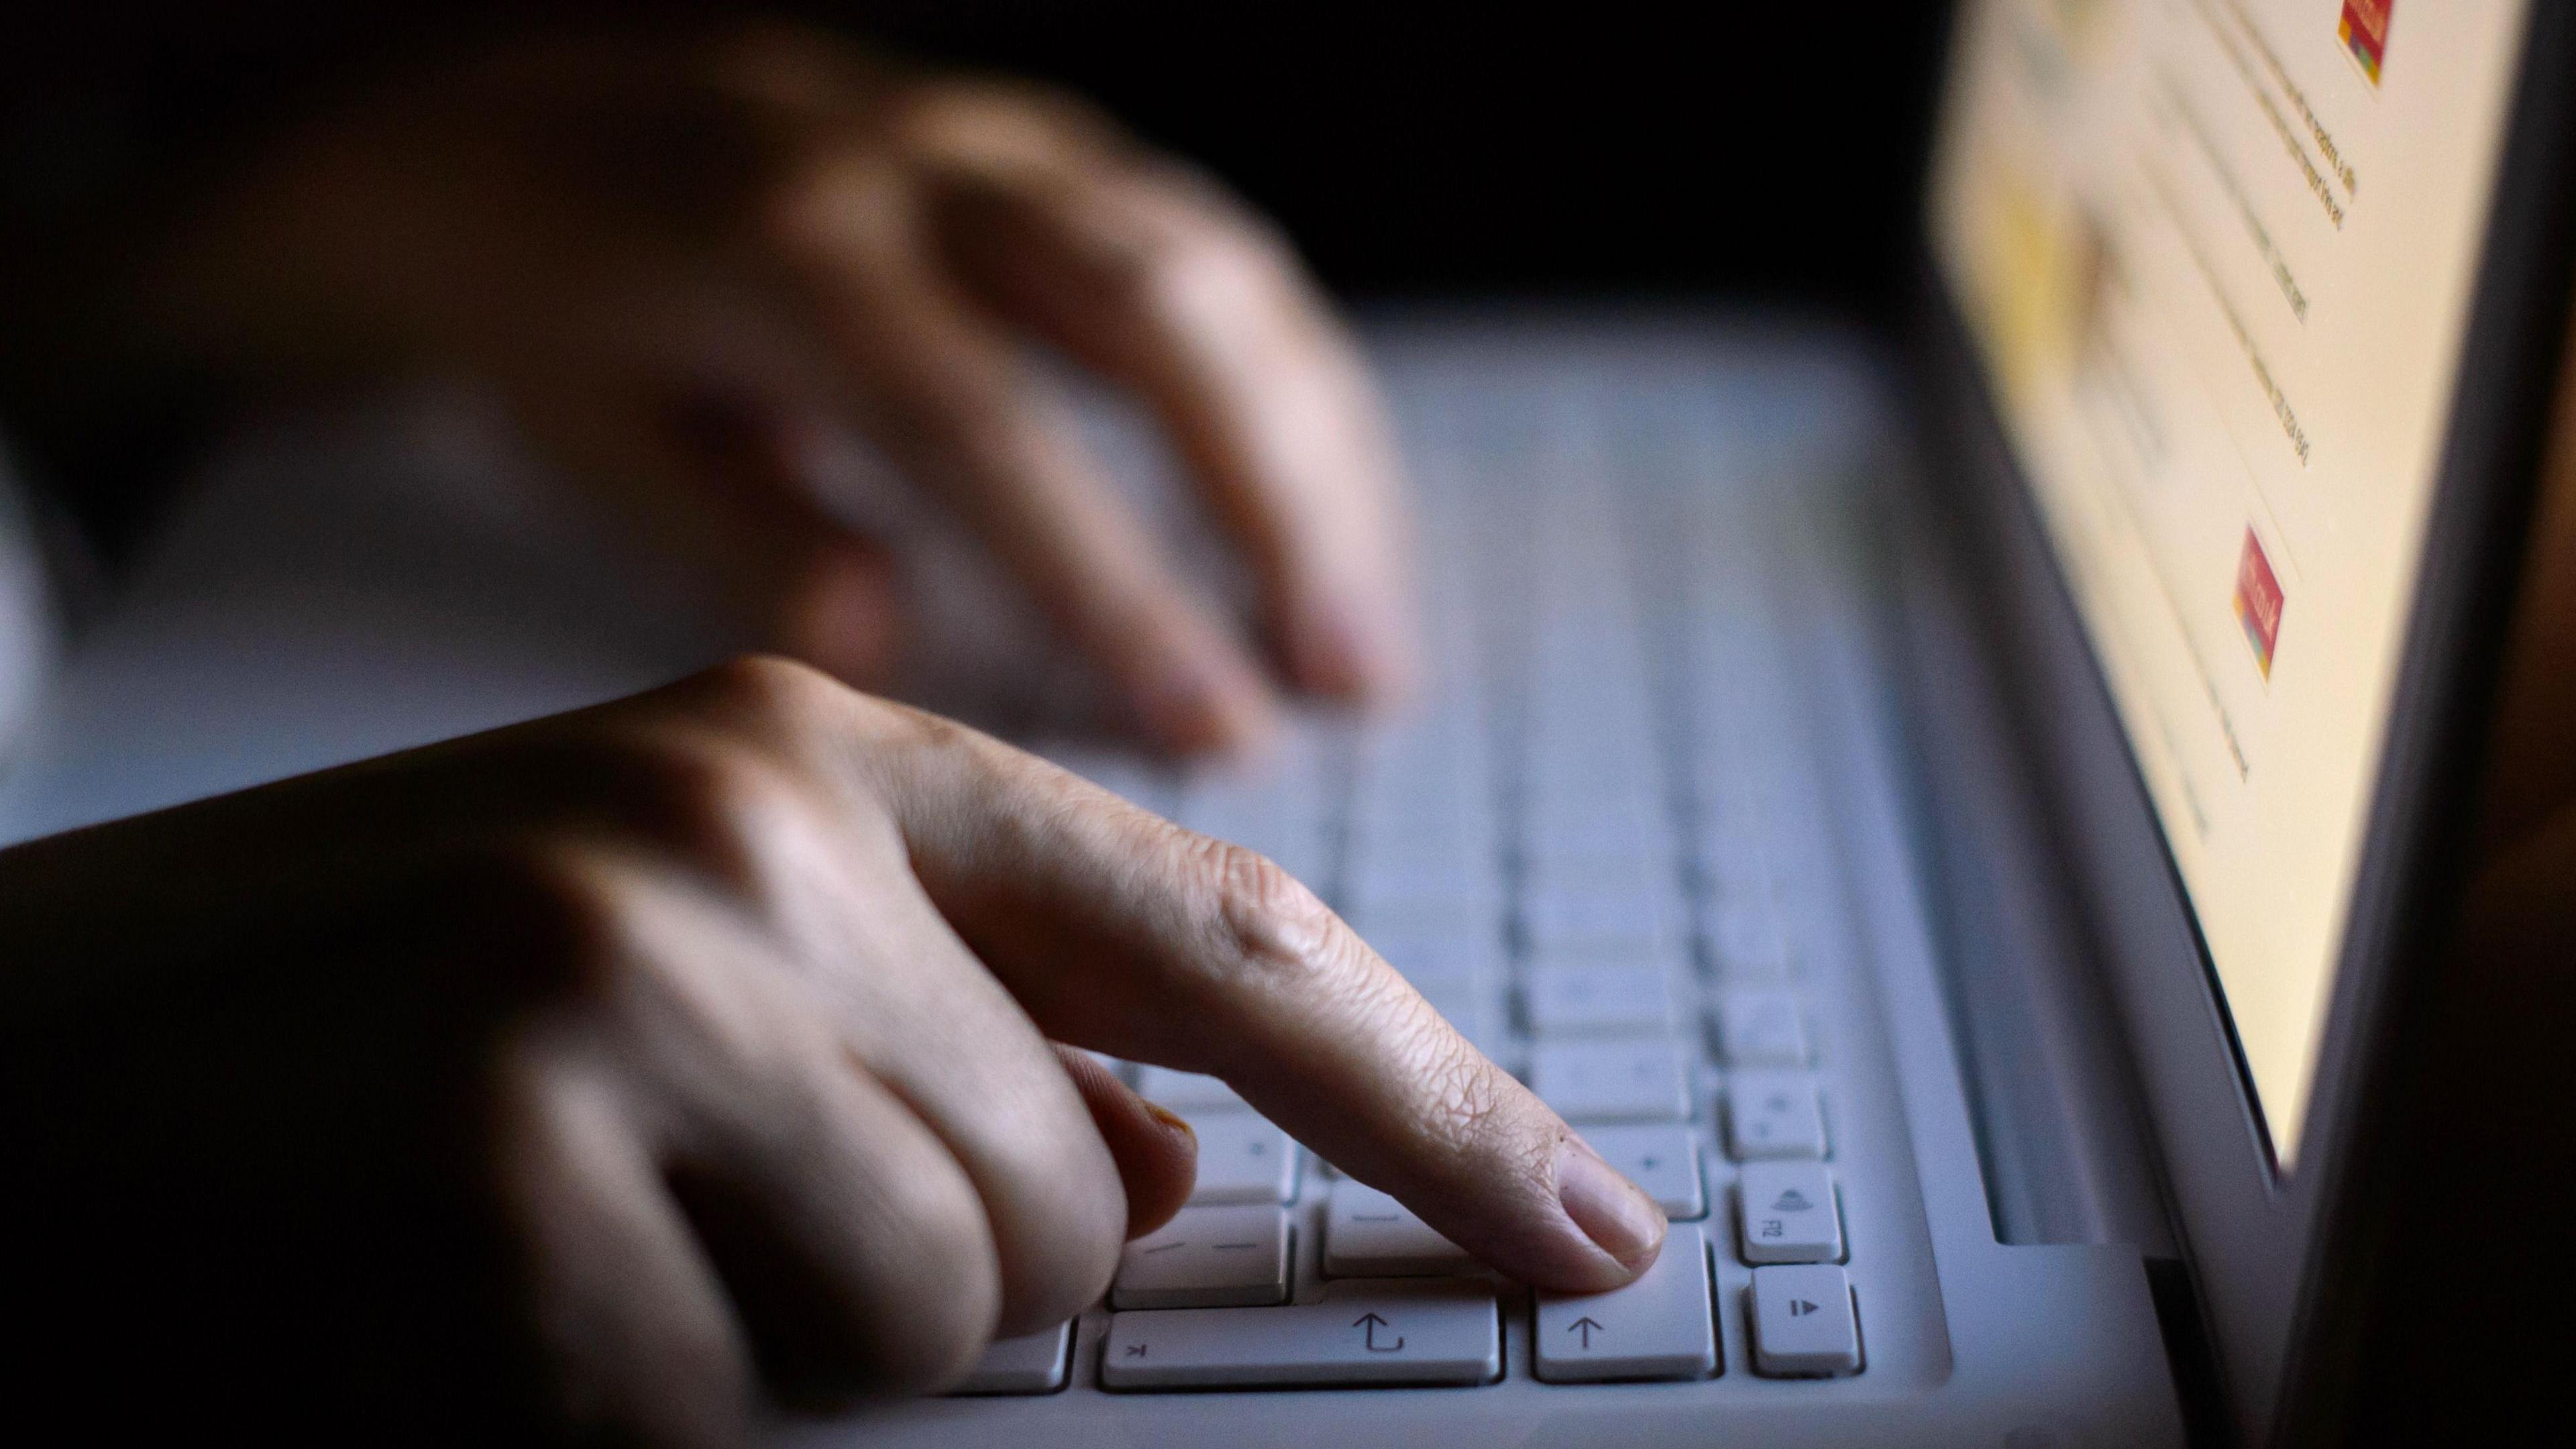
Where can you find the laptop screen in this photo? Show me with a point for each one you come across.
(2217, 255)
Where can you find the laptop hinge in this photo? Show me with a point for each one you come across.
(2063, 1143)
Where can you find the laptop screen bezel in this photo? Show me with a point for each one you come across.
(2258, 1238)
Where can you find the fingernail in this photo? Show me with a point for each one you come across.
(1612, 1211)
(1189, 705)
(1177, 702)
(1329, 652)
(1172, 1122)
(846, 617)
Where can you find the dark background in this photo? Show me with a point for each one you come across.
(1609, 149)
(1411, 148)
(1771, 150)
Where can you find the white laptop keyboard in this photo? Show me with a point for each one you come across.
(1602, 847)
(1591, 846)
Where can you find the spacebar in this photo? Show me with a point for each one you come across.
(1412, 1331)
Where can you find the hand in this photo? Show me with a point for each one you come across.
(685, 262)
(621, 1072)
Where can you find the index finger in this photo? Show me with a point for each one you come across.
(1154, 276)
(948, 399)
(1122, 932)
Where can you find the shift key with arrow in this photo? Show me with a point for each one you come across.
(1363, 1331)
(1663, 1326)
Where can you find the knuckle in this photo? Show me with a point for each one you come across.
(1266, 921)
(1201, 262)
(773, 695)
(718, 805)
(554, 930)
(560, 907)
(1199, 269)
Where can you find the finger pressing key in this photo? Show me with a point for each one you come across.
(1122, 932)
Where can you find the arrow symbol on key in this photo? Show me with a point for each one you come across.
(1370, 1323)
(1588, 1326)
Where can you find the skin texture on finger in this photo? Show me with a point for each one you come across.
(1125, 933)
(1156, 1152)
(948, 399)
(1152, 276)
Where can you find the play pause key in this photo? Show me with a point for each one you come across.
(1804, 1325)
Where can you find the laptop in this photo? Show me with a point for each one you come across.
(1948, 810)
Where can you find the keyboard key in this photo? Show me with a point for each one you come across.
(1659, 1327)
(1670, 958)
(1760, 1027)
(1207, 1257)
(1633, 920)
(1242, 1159)
(1473, 1008)
(1368, 1234)
(1120, 772)
(1773, 1114)
(1607, 1001)
(1407, 1331)
(1612, 1081)
(1418, 958)
(1738, 865)
(1555, 865)
(1787, 1213)
(1747, 941)
(1185, 1092)
(1441, 883)
(1804, 1325)
(1662, 1160)
(1033, 1363)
